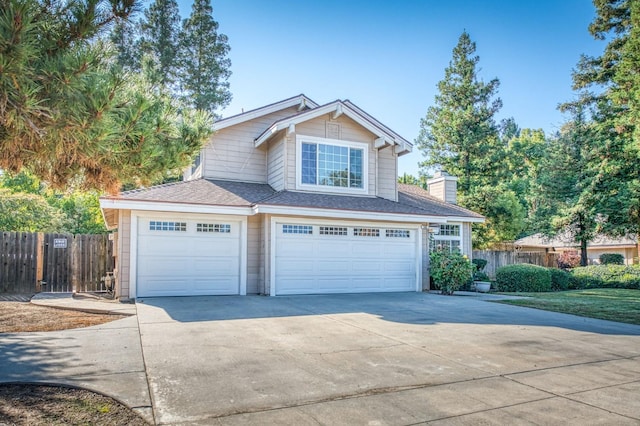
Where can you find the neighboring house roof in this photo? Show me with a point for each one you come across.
(385, 135)
(566, 241)
(300, 100)
(413, 201)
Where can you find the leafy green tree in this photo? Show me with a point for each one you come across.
(503, 210)
(20, 211)
(409, 179)
(205, 66)
(68, 114)
(160, 29)
(459, 132)
(125, 38)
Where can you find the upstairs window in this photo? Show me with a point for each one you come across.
(332, 165)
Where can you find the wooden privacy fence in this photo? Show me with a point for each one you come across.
(33, 262)
(497, 258)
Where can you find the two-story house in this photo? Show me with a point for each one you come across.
(290, 198)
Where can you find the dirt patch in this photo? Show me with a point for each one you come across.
(18, 317)
(53, 405)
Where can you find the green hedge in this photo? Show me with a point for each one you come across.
(606, 276)
(560, 280)
(523, 277)
(611, 259)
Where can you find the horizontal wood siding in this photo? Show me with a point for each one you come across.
(387, 174)
(123, 256)
(254, 241)
(231, 154)
(437, 190)
(275, 164)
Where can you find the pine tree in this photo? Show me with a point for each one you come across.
(160, 29)
(205, 65)
(459, 132)
(126, 41)
(67, 114)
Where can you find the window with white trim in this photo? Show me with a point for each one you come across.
(329, 164)
(366, 232)
(297, 229)
(448, 238)
(333, 230)
(397, 233)
(156, 225)
(223, 228)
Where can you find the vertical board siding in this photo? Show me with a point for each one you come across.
(18, 262)
(498, 258)
(78, 267)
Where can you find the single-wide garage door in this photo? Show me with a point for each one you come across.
(314, 259)
(178, 257)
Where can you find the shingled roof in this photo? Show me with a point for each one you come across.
(412, 200)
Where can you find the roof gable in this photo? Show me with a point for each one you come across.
(385, 135)
(301, 101)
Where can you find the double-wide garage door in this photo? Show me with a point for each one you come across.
(335, 258)
(179, 257)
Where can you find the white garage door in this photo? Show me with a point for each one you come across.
(178, 257)
(313, 259)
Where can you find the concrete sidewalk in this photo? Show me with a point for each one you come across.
(83, 302)
(106, 358)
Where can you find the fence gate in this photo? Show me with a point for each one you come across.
(60, 262)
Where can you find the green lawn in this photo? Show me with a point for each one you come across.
(603, 303)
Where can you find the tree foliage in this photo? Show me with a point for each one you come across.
(68, 112)
(205, 65)
(459, 132)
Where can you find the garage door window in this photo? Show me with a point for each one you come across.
(155, 225)
(297, 229)
(398, 233)
(222, 228)
(366, 232)
(333, 230)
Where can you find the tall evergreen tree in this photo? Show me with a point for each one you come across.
(205, 65)
(459, 132)
(160, 29)
(68, 114)
(614, 76)
(567, 178)
(126, 41)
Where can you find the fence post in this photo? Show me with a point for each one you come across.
(39, 261)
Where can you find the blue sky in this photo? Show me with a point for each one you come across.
(388, 56)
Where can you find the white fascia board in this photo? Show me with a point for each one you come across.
(173, 207)
(348, 214)
(250, 115)
(450, 219)
(317, 112)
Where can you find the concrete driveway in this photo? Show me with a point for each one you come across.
(396, 359)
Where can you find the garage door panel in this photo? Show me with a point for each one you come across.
(187, 262)
(333, 267)
(332, 248)
(313, 263)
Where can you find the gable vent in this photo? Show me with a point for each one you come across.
(332, 130)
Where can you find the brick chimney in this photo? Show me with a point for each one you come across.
(444, 187)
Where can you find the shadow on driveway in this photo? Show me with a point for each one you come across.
(410, 308)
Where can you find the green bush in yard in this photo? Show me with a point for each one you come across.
(523, 278)
(479, 264)
(606, 276)
(560, 280)
(449, 271)
(611, 259)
